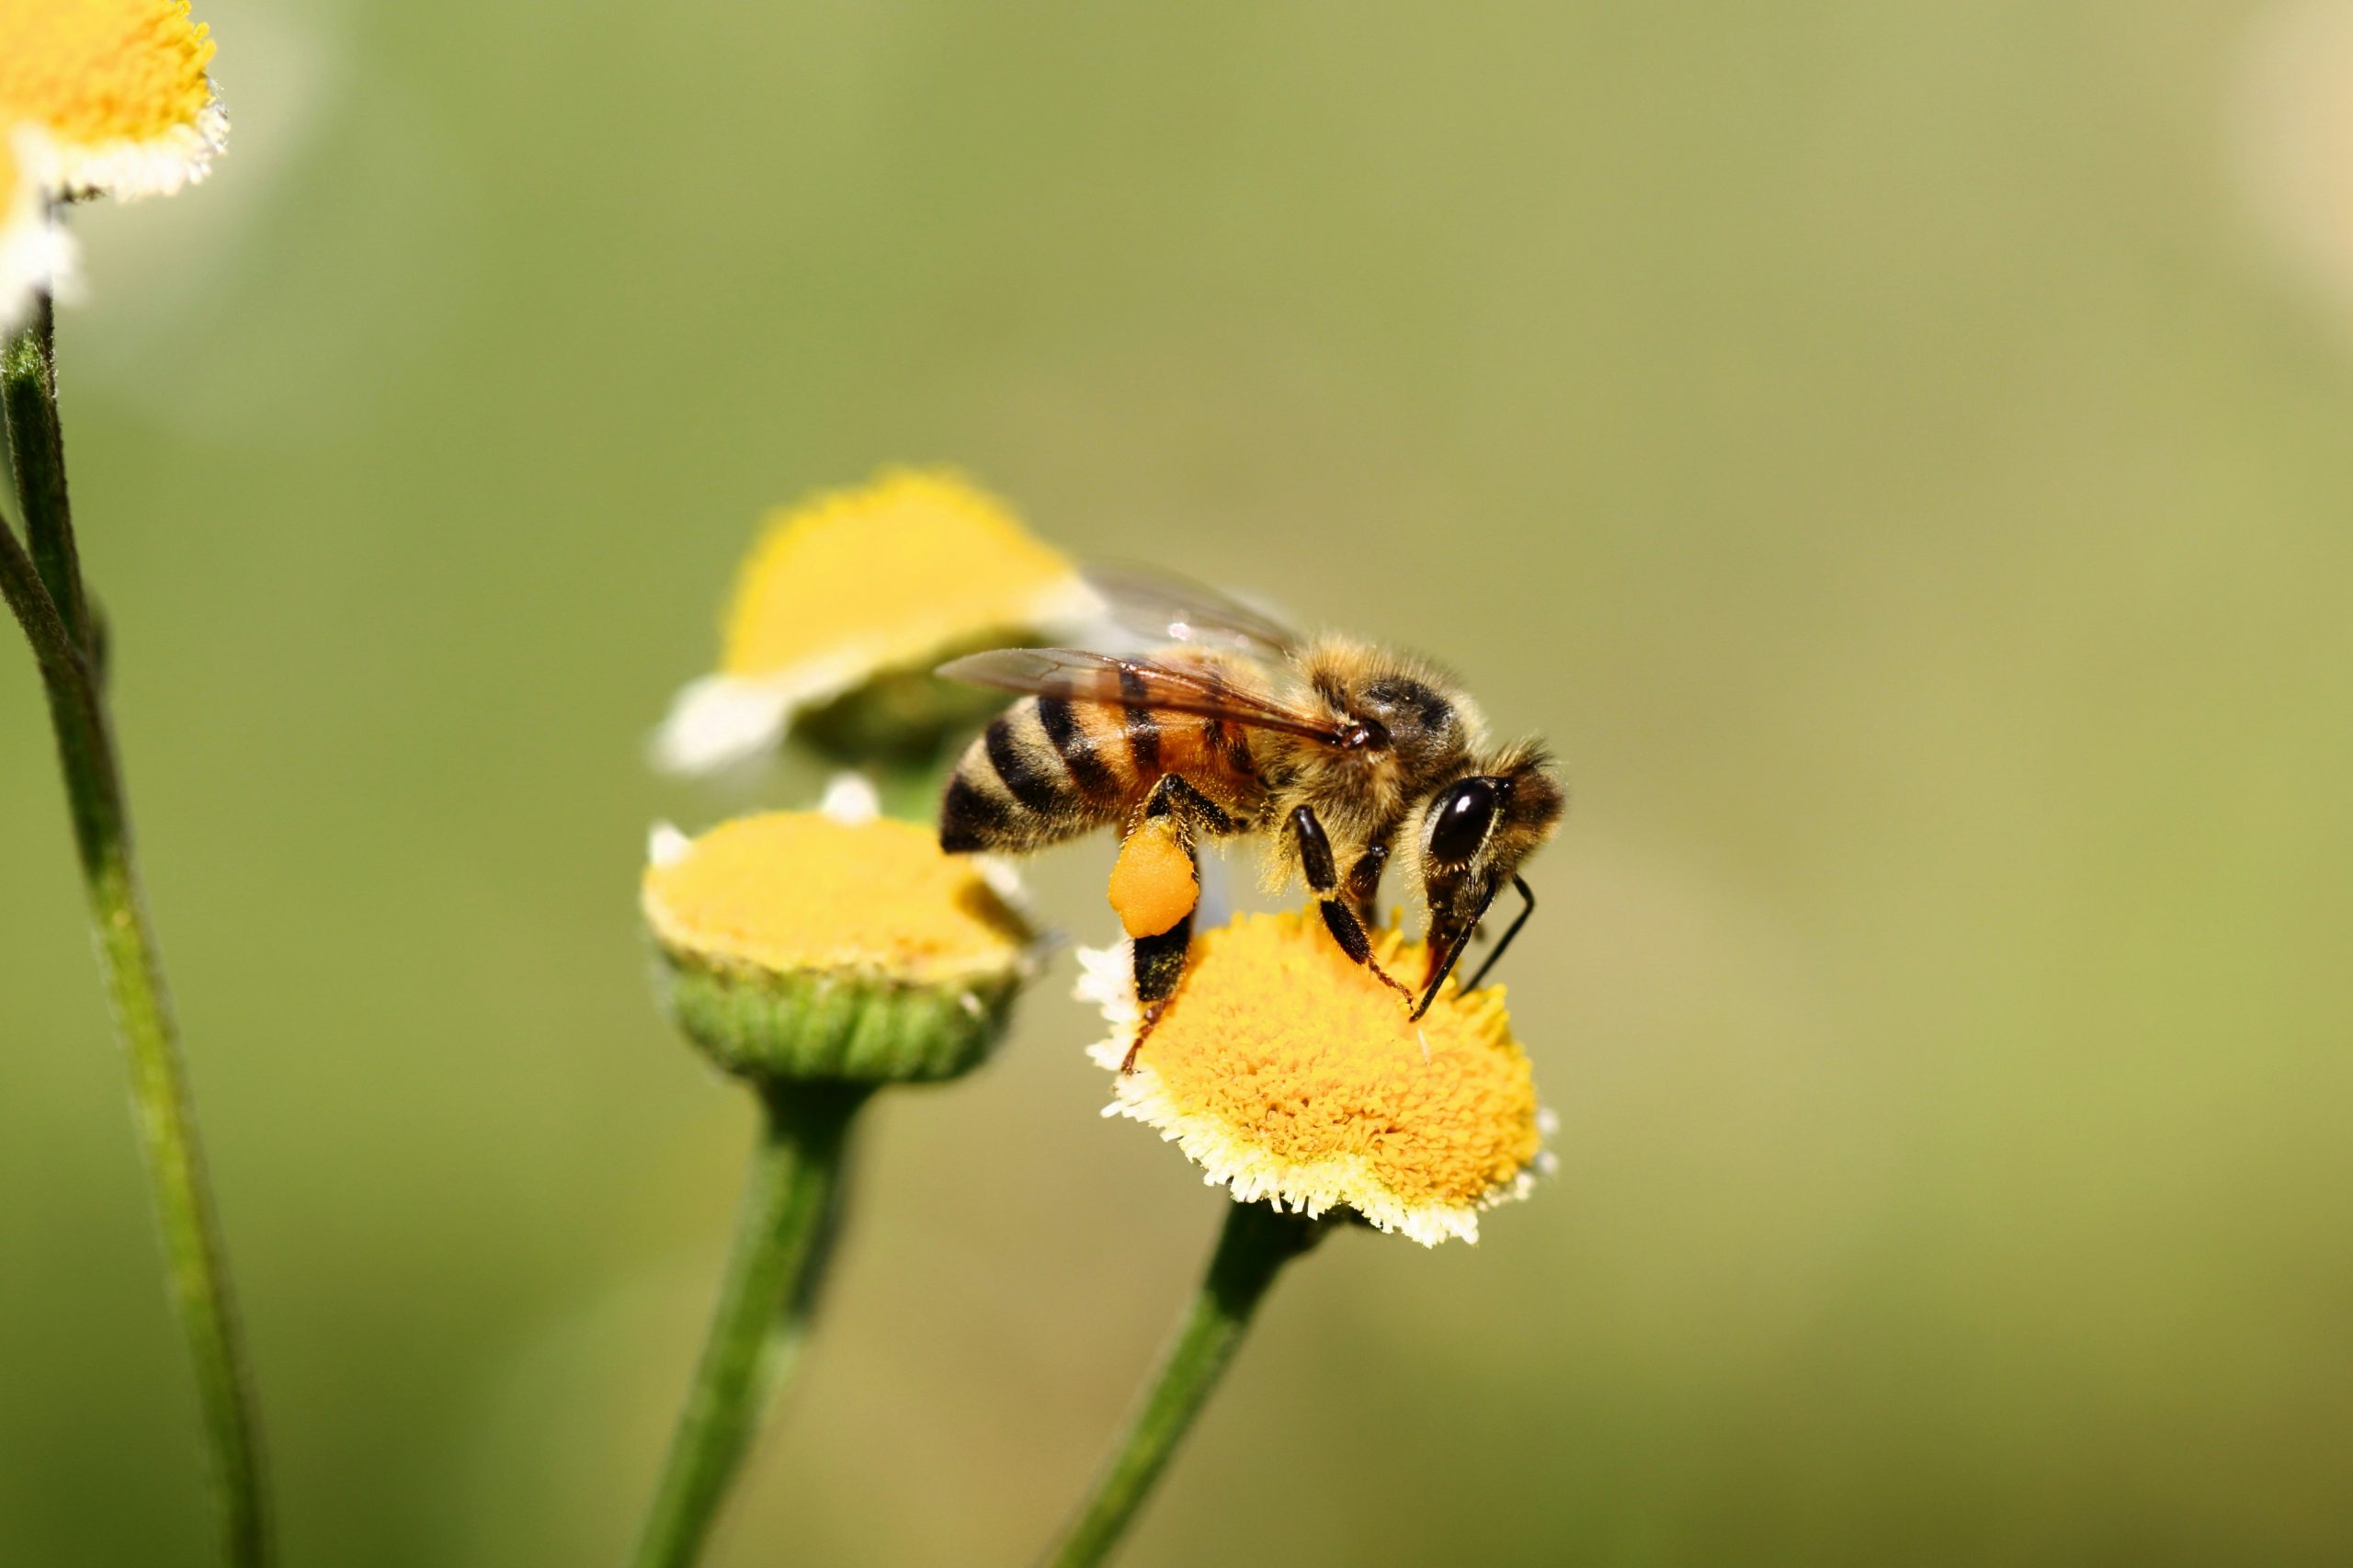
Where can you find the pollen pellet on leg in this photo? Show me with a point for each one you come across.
(1153, 887)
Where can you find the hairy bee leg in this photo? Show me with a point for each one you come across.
(1323, 882)
(1159, 969)
(1159, 959)
(1364, 883)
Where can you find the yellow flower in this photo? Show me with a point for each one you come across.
(1290, 1075)
(34, 255)
(114, 94)
(853, 589)
(802, 946)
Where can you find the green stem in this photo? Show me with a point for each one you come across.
(37, 453)
(44, 589)
(763, 1308)
(1257, 1242)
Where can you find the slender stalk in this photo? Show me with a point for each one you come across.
(28, 596)
(1251, 1251)
(44, 589)
(37, 454)
(763, 1310)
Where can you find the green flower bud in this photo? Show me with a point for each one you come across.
(798, 945)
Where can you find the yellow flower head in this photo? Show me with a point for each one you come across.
(1291, 1074)
(804, 946)
(852, 588)
(114, 93)
(34, 255)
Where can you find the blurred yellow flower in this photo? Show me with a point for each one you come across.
(795, 891)
(113, 96)
(857, 585)
(804, 946)
(1290, 1075)
(34, 253)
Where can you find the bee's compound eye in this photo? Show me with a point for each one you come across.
(1459, 819)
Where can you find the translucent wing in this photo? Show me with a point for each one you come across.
(1160, 605)
(1082, 676)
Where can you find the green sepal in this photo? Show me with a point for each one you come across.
(842, 1026)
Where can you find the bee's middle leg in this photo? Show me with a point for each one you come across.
(1340, 916)
(1364, 884)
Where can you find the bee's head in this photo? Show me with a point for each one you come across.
(1472, 839)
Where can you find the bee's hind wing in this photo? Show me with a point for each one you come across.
(1163, 605)
(1084, 677)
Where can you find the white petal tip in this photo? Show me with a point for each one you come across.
(850, 798)
(36, 253)
(717, 721)
(665, 846)
(127, 169)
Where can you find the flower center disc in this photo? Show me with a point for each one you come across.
(99, 71)
(1309, 1068)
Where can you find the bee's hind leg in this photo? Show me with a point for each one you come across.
(1340, 916)
(1160, 966)
(1159, 956)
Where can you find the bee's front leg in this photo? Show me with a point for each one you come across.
(1323, 881)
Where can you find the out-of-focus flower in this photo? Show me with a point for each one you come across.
(35, 255)
(111, 96)
(1291, 1076)
(801, 946)
(847, 603)
(2292, 127)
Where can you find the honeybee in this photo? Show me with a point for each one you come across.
(1341, 756)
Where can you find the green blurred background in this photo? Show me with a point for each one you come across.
(1901, 455)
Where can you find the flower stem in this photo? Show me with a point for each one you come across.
(1258, 1239)
(44, 589)
(37, 454)
(763, 1308)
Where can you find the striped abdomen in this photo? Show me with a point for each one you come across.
(1052, 768)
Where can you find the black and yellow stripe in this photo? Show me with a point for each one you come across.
(1078, 741)
(1045, 770)
(1051, 768)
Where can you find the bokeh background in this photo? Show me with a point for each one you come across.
(1901, 455)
